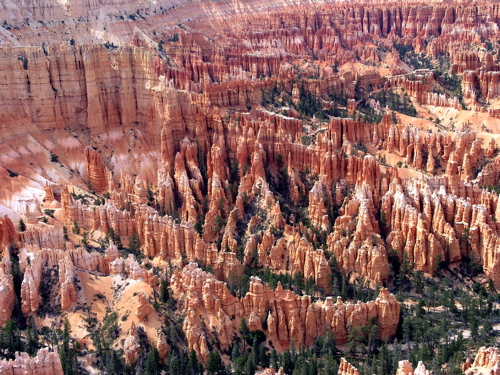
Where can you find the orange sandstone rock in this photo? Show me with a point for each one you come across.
(143, 306)
(346, 368)
(405, 368)
(7, 294)
(486, 360)
(131, 346)
(45, 363)
(290, 318)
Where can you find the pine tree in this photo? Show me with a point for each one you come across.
(214, 363)
(244, 327)
(474, 329)
(134, 244)
(343, 291)
(115, 238)
(234, 172)
(22, 225)
(405, 270)
(11, 339)
(152, 363)
(331, 366)
(174, 366)
(235, 353)
(419, 282)
(194, 367)
(287, 362)
(31, 337)
(67, 355)
(250, 366)
(164, 294)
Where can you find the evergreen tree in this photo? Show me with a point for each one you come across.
(234, 172)
(404, 270)
(32, 337)
(244, 330)
(418, 282)
(152, 363)
(22, 225)
(331, 366)
(194, 367)
(214, 363)
(164, 294)
(174, 366)
(134, 244)
(115, 238)
(67, 355)
(11, 339)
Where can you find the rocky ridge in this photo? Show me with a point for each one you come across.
(288, 318)
(196, 140)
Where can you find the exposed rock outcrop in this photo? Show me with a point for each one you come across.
(290, 318)
(486, 361)
(131, 346)
(177, 138)
(67, 282)
(346, 368)
(45, 363)
(270, 371)
(143, 306)
(7, 294)
(97, 174)
(405, 368)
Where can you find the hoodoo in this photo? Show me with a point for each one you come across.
(249, 187)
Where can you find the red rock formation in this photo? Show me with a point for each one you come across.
(8, 234)
(486, 360)
(30, 288)
(405, 368)
(270, 371)
(67, 281)
(346, 368)
(97, 174)
(357, 245)
(7, 294)
(494, 112)
(290, 318)
(366, 253)
(131, 346)
(43, 237)
(160, 236)
(33, 261)
(45, 363)
(161, 344)
(143, 306)
(175, 128)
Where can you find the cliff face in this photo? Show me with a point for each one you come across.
(427, 229)
(8, 233)
(61, 89)
(289, 318)
(35, 263)
(97, 173)
(486, 361)
(346, 368)
(50, 237)
(62, 86)
(131, 346)
(45, 363)
(270, 371)
(183, 131)
(405, 368)
(7, 294)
